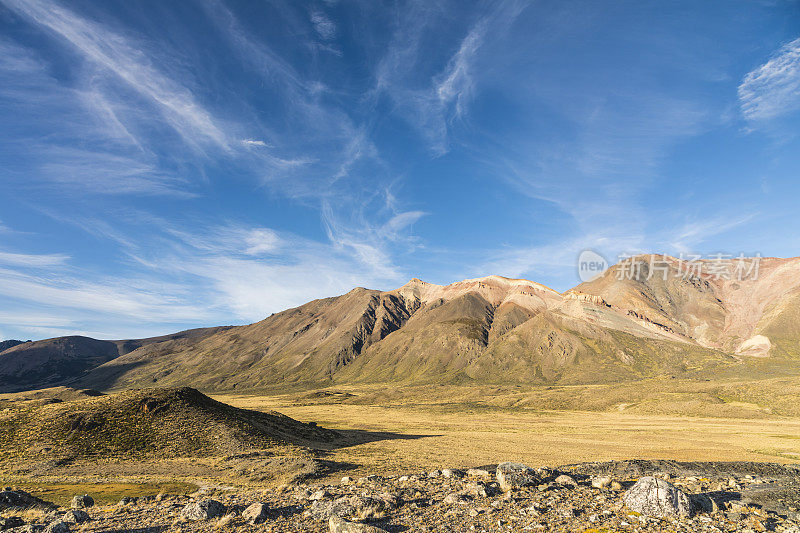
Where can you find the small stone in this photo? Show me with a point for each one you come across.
(512, 476)
(616, 486)
(651, 496)
(82, 502)
(601, 482)
(255, 513)
(479, 490)
(478, 472)
(403, 479)
(566, 481)
(454, 498)
(346, 480)
(76, 516)
(203, 510)
(434, 473)
(321, 494)
(340, 525)
(452, 473)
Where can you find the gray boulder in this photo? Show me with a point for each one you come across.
(59, 526)
(255, 513)
(82, 502)
(353, 507)
(203, 510)
(75, 516)
(651, 496)
(337, 524)
(19, 499)
(512, 476)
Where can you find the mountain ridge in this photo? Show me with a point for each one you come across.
(642, 317)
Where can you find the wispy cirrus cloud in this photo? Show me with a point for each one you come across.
(773, 89)
(32, 260)
(113, 52)
(323, 25)
(432, 105)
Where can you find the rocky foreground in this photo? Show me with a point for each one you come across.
(597, 497)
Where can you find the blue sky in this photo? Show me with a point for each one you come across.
(166, 165)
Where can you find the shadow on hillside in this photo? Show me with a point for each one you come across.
(354, 437)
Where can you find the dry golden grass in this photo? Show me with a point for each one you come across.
(103, 493)
(449, 428)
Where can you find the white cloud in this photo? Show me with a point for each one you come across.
(254, 142)
(261, 240)
(444, 97)
(323, 25)
(108, 173)
(32, 260)
(688, 237)
(402, 221)
(136, 299)
(456, 85)
(773, 89)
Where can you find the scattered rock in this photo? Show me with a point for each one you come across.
(512, 476)
(703, 502)
(203, 510)
(82, 502)
(452, 473)
(255, 513)
(340, 525)
(75, 516)
(478, 472)
(29, 528)
(11, 521)
(652, 496)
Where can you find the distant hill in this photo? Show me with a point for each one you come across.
(649, 316)
(27, 365)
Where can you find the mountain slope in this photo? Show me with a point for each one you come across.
(307, 343)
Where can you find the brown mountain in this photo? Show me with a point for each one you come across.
(648, 316)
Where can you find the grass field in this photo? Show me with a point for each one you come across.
(438, 428)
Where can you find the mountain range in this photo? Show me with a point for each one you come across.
(647, 316)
